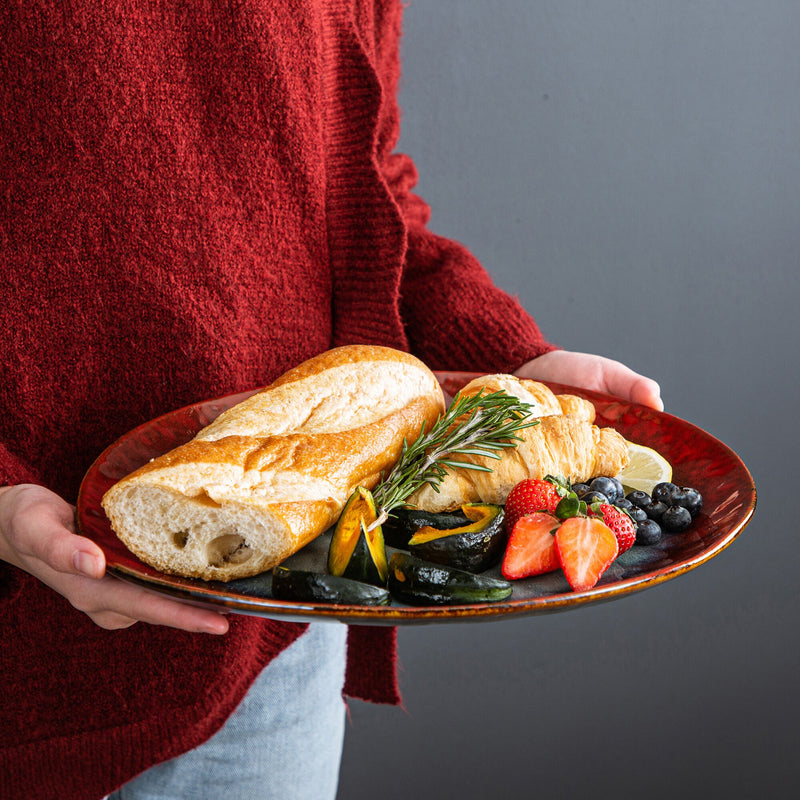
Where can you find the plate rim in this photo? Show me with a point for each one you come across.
(207, 594)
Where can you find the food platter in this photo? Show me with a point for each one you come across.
(697, 457)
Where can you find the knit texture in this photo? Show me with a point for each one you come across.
(195, 198)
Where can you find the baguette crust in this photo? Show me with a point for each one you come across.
(564, 442)
(273, 472)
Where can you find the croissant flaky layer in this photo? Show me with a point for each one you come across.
(273, 472)
(563, 442)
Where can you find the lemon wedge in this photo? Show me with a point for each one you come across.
(645, 469)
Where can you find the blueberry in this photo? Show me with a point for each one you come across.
(691, 500)
(610, 487)
(580, 489)
(624, 504)
(666, 493)
(655, 509)
(676, 519)
(648, 532)
(594, 497)
(620, 488)
(638, 498)
(637, 514)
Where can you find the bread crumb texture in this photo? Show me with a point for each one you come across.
(273, 472)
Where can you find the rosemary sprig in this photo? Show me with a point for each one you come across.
(475, 425)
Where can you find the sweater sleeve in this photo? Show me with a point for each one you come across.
(12, 471)
(455, 316)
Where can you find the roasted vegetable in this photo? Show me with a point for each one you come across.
(357, 551)
(404, 522)
(418, 583)
(317, 587)
(474, 546)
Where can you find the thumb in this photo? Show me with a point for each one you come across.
(64, 551)
(40, 528)
(88, 559)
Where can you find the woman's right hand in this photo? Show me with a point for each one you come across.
(37, 534)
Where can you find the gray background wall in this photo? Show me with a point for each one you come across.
(640, 158)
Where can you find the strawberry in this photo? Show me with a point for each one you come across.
(623, 526)
(528, 496)
(586, 546)
(531, 548)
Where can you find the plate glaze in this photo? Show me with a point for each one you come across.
(698, 459)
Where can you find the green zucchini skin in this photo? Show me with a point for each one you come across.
(479, 546)
(404, 522)
(416, 582)
(318, 587)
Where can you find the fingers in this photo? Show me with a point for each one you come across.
(629, 385)
(648, 393)
(594, 372)
(113, 604)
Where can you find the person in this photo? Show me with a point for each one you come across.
(196, 199)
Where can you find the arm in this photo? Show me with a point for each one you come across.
(450, 300)
(455, 316)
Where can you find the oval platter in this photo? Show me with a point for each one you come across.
(698, 460)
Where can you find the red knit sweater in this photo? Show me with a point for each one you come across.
(195, 197)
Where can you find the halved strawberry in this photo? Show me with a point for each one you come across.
(623, 526)
(586, 546)
(531, 548)
(528, 496)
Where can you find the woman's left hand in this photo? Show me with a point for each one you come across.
(596, 373)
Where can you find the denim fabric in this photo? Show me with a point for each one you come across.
(284, 741)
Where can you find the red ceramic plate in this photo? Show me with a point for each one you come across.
(698, 460)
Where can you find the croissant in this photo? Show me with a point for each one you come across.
(563, 442)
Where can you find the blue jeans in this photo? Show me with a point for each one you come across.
(284, 741)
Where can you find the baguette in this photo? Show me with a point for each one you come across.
(274, 471)
(564, 442)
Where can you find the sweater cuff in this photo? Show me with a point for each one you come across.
(456, 318)
(500, 340)
(13, 470)
(372, 664)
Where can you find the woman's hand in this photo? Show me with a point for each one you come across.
(37, 534)
(596, 373)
